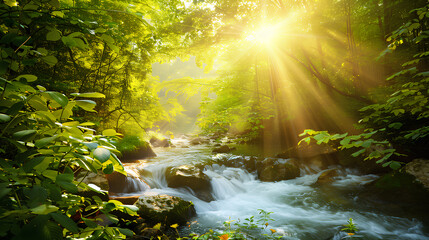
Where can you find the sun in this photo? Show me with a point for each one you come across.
(264, 35)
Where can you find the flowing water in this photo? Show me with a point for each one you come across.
(300, 209)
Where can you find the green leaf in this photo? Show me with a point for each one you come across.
(45, 141)
(127, 232)
(107, 39)
(51, 60)
(395, 165)
(4, 118)
(59, 98)
(65, 221)
(108, 169)
(24, 134)
(65, 181)
(101, 154)
(355, 154)
(28, 77)
(44, 209)
(89, 95)
(87, 105)
(53, 35)
(90, 145)
(109, 132)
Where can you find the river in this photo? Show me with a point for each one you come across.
(300, 209)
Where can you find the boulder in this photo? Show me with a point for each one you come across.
(156, 142)
(278, 171)
(199, 140)
(140, 153)
(313, 155)
(99, 179)
(192, 177)
(419, 168)
(223, 149)
(327, 176)
(119, 183)
(165, 209)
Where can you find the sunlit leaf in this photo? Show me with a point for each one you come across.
(101, 154)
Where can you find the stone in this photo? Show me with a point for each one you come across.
(318, 157)
(199, 140)
(192, 177)
(419, 168)
(165, 209)
(140, 153)
(223, 149)
(327, 176)
(156, 142)
(119, 183)
(99, 179)
(278, 171)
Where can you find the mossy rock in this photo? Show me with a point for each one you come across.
(165, 209)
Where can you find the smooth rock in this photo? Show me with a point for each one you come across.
(192, 177)
(327, 176)
(156, 142)
(165, 209)
(119, 183)
(199, 140)
(223, 149)
(279, 172)
(140, 153)
(419, 168)
(99, 180)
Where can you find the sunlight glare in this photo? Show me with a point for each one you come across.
(264, 35)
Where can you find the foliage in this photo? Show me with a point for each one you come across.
(402, 116)
(128, 143)
(351, 229)
(42, 148)
(249, 229)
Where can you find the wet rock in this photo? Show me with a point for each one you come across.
(278, 171)
(199, 140)
(156, 142)
(119, 183)
(419, 168)
(316, 156)
(140, 153)
(223, 149)
(327, 176)
(192, 177)
(99, 179)
(165, 209)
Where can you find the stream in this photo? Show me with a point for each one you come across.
(300, 209)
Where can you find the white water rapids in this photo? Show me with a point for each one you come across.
(300, 210)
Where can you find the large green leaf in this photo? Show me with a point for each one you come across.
(53, 35)
(24, 134)
(44, 209)
(65, 181)
(109, 132)
(65, 221)
(101, 154)
(89, 95)
(87, 105)
(45, 141)
(51, 60)
(4, 118)
(59, 98)
(28, 77)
